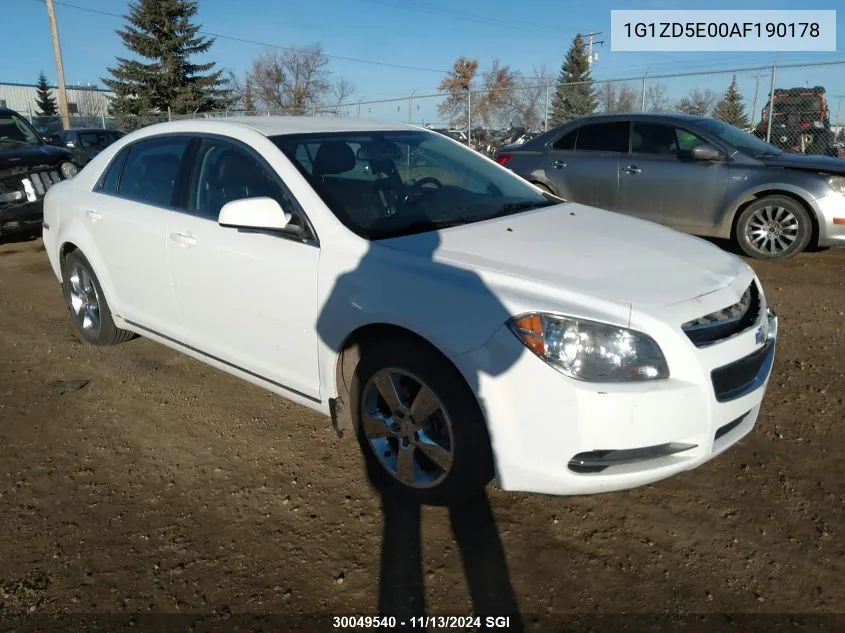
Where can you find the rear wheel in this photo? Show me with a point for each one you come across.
(774, 227)
(420, 428)
(87, 304)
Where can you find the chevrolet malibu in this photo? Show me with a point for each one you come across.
(464, 324)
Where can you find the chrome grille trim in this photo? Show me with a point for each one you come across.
(728, 322)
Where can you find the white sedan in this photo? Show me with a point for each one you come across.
(465, 324)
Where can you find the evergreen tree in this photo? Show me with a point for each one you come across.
(571, 101)
(161, 31)
(44, 99)
(731, 108)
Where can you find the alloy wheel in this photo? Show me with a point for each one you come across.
(84, 299)
(772, 229)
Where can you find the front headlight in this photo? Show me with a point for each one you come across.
(591, 351)
(837, 183)
(69, 170)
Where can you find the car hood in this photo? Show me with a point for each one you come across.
(24, 155)
(586, 251)
(808, 162)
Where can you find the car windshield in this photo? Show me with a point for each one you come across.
(384, 184)
(740, 139)
(15, 130)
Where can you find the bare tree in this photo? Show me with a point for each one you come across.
(90, 102)
(698, 102)
(497, 103)
(614, 99)
(531, 97)
(456, 85)
(656, 98)
(294, 80)
(339, 93)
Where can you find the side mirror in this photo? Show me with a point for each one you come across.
(706, 152)
(260, 214)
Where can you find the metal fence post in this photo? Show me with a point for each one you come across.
(771, 105)
(104, 120)
(546, 115)
(642, 107)
(469, 117)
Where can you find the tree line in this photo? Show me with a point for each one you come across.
(501, 95)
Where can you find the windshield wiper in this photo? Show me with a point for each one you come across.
(517, 207)
(419, 226)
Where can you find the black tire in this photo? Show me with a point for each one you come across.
(471, 466)
(99, 330)
(797, 227)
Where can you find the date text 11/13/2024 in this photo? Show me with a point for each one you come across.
(422, 622)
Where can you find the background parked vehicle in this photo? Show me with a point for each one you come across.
(800, 122)
(85, 143)
(695, 174)
(28, 168)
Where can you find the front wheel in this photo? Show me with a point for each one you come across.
(774, 227)
(419, 425)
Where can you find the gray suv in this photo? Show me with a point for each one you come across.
(694, 174)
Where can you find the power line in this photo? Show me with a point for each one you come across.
(243, 40)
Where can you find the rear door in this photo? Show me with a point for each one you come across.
(127, 216)
(584, 163)
(661, 183)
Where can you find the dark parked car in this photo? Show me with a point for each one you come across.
(28, 168)
(85, 143)
(697, 175)
(801, 122)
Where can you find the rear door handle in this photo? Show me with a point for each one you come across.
(558, 164)
(632, 169)
(95, 216)
(183, 240)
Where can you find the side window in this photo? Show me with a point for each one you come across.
(149, 175)
(655, 139)
(567, 141)
(223, 173)
(687, 140)
(603, 137)
(111, 177)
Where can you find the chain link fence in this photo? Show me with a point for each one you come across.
(791, 106)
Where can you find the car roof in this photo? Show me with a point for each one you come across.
(92, 129)
(277, 125)
(642, 116)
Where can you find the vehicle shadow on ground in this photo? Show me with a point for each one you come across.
(404, 278)
(20, 236)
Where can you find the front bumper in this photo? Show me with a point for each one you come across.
(830, 211)
(554, 435)
(21, 212)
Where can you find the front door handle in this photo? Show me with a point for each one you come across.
(95, 216)
(558, 164)
(183, 240)
(632, 169)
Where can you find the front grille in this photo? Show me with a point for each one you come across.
(743, 376)
(28, 185)
(722, 324)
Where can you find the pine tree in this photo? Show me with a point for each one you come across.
(44, 99)
(161, 31)
(731, 108)
(571, 101)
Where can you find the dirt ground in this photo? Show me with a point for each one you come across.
(164, 486)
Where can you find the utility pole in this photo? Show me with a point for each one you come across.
(838, 112)
(60, 69)
(590, 43)
(757, 79)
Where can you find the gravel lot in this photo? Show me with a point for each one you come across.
(165, 486)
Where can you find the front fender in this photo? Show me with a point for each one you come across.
(758, 191)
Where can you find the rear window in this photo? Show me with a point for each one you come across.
(149, 174)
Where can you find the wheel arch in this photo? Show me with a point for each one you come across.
(800, 197)
(71, 245)
(346, 361)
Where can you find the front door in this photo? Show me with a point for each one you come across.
(248, 298)
(659, 182)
